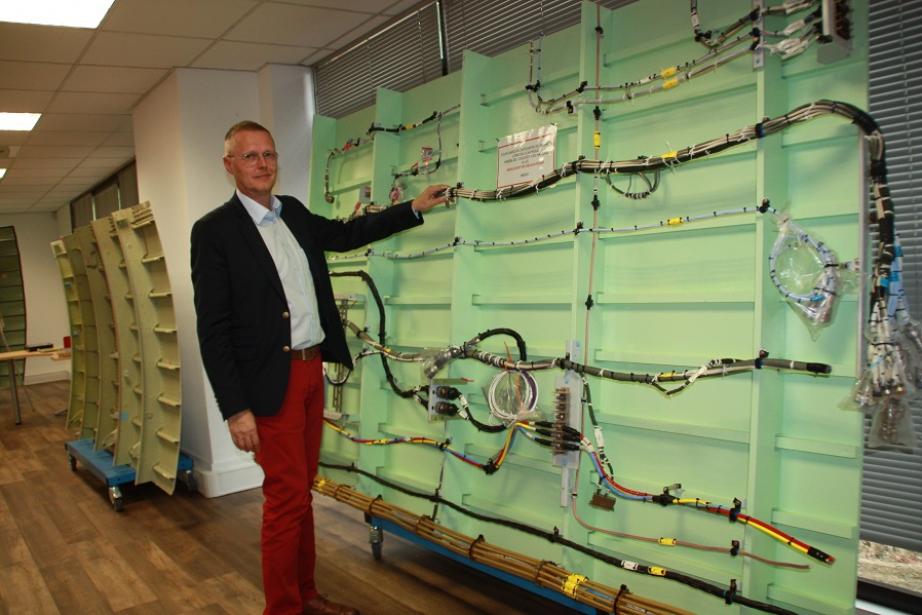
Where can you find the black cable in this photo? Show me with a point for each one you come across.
(557, 538)
(519, 340)
(382, 329)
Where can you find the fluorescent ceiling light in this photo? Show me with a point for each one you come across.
(18, 121)
(71, 13)
(2, 173)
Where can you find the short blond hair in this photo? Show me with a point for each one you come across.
(245, 125)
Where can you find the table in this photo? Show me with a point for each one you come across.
(56, 354)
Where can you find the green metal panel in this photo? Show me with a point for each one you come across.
(664, 298)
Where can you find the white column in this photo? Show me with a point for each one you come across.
(287, 106)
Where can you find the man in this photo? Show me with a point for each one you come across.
(266, 321)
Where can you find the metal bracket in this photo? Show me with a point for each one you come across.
(569, 461)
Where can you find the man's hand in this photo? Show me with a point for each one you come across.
(430, 197)
(243, 431)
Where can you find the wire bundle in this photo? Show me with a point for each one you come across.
(723, 47)
(815, 305)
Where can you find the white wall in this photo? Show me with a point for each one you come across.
(46, 307)
(62, 218)
(287, 110)
(178, 134)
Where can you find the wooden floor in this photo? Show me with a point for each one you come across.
(64, 550)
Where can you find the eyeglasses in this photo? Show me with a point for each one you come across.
(252, 158)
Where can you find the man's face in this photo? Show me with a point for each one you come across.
(254, 177)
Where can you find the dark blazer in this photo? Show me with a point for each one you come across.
(243, 325)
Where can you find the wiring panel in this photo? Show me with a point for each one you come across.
(710, 397)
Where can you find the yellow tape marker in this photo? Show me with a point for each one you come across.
(669, 542)
(673, 154)
(572, 582)
(666, 73)
(596, 139)
(674, 221)
(670, 83)
(657, 571)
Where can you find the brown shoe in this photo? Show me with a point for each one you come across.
(321, 606)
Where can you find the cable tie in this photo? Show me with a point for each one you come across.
(579, 227)
(589, 302)
(734, 547)
(621, 592)
(570, 108)
(730, 594)
(470, 549)
(735, 511)
(597, 113)
(766, 204)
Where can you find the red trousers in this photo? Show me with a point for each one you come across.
(289, 449)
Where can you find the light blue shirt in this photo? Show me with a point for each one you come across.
(294, 271)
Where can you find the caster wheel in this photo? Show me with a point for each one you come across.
(376, 539)
(116, 499)
(187, 478)
(73, 463)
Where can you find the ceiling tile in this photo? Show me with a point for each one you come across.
(42, 43)
(77, 183)
(287, 24)
(6, 203)
(47, 163)
(92, 174)
(142, 50)
(80, 122)
(6, 194)
(125, 124)
(102, 164)
(316, 57)
(120, 139)
(401, 7)
(77, 137)
(32, 75)
(23, 181)
(92, 102)
(358, 32)
(113, 79)
(36, 173)
(113, 152)
(24, 101)
(250, 56)
(356, 6)
(46, 207)
(14, 137)
(204, 18)
(58, 151)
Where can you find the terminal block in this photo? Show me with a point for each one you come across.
(443, 398)
(836, 35)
